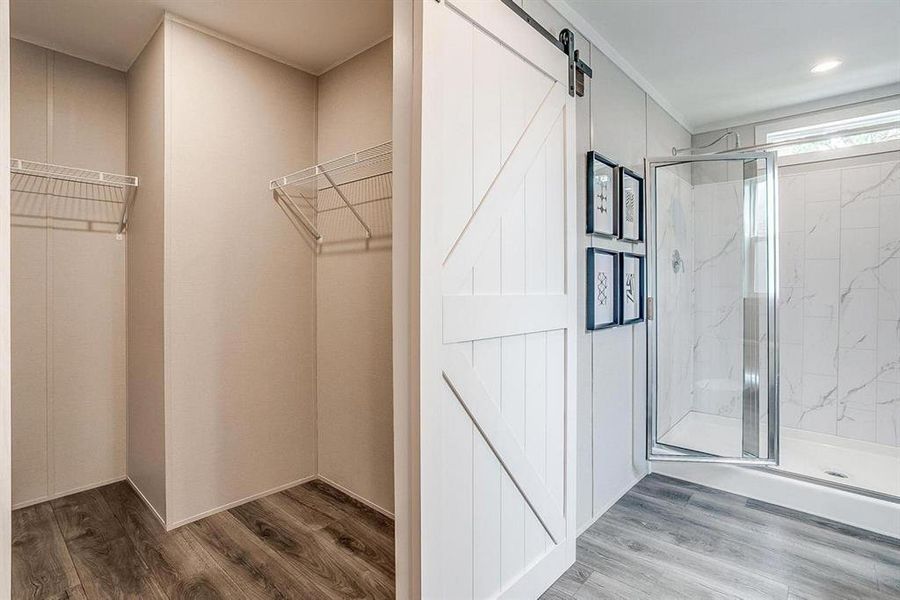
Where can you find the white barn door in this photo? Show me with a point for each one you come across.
(498, 305)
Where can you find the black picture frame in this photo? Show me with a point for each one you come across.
(592, 322)
(596, 160)
(639, 288)
(623, 175)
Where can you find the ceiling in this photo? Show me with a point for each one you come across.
(712, 62)
(312, 35)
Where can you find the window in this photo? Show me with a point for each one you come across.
(872, 129)
(841, 133)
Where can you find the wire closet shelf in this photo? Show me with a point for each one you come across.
(72, 183)
(359, 184)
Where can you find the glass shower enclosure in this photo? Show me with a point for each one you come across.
(712, 296)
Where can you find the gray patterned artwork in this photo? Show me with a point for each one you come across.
(602, 299)
(602, 288)
(602, 185)
(631, 194)
(602, 213)
(632, 289)
(630, 207)
(629, 289)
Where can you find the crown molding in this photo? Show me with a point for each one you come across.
(593, 36)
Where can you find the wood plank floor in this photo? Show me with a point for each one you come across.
(665, 539)
(672, 539)
(311, 541)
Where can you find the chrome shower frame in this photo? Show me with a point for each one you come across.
(662, 452)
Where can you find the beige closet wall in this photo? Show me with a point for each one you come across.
(239, 279)
(68, 305)
(353, 332)
(146, 378)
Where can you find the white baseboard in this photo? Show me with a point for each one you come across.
(356, 496)
(83, 488)
(218, 509)
(540, 575)
(224, 507)
(609, 504)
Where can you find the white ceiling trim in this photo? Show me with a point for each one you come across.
(160, 23)
(593, 36)
(59, 49)
(862, 96)
(353, 55)
(169, 16)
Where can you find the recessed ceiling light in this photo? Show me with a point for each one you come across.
(825, 65)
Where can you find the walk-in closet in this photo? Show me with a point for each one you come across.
(201, 205)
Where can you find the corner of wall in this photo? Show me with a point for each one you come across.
(144, 109)
(167, 196)
(406, 102)
(5, 419)
(354, 112)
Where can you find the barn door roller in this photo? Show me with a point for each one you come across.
(565, 42)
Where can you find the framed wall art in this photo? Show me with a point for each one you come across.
(631, 288)
(602, 277)
(602, 211)
(631, 205)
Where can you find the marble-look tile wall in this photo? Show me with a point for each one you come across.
(718, 298)
(840, 301)
(675, 297)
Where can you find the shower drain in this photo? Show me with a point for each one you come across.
(836, 474)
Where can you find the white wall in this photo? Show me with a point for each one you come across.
(68, 270)
(626, 133)
(619, 120)
(146, 380)
(353, 286)
(239, 280)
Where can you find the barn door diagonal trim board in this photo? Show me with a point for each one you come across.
(471, 393)
(501, 193)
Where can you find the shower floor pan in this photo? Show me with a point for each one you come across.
(865, 465)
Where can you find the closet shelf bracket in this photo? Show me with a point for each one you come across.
(91, 186)
(345, 183)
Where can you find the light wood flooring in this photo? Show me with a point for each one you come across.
(311, 541)
(668, 539)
